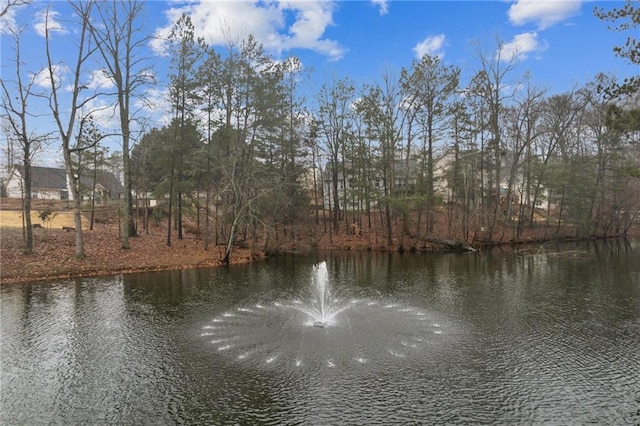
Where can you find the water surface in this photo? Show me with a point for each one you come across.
(465, 338)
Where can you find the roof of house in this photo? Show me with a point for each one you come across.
(54, 178)
(46, 177)
(110, 182)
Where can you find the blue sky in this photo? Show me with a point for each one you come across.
(559, 45)
(559, 42)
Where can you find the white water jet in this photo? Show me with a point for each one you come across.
(319, 283)
(322, 305)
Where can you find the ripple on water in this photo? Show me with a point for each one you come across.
(363, 332)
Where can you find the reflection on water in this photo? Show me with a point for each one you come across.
(491, 338)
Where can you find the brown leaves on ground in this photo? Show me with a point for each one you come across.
(54, 254)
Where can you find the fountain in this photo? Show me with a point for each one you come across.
(322, 315)
(322, 305)
(324, 326)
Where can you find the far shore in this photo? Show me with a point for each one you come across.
(53, 257)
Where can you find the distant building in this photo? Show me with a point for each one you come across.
(50, 183)
(46, 183)
(406, 174)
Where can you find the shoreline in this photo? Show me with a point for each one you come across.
(53, 257)
(85, 274)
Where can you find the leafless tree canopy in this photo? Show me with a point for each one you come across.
(8, 4)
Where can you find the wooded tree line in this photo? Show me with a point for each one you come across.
(249, 153)
(109, 34)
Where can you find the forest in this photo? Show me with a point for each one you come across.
(249, 154)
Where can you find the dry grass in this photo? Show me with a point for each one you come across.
(12, 219)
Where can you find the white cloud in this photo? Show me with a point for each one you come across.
(383, 5)
(544, 13)
(43, 79)
(100, 80)
(431, 45)
(155, 104)
(221, 22)
(103, 113)
(8, 21)
(521, 46)
(54, 25)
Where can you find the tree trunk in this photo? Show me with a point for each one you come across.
(28, 231)
(77, 221)
(169, 218)
(179, 215)
(77, 202)
(231, 240)
(93, 186)
(129, 229)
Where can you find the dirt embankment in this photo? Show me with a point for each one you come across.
(54, 254)
(54, 247)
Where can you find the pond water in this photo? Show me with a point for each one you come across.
(364, 338)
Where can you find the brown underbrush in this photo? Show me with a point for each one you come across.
(54, 254)
(53, 251)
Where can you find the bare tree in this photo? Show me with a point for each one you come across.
(384, 116)
(522, 129)
(334, 124)
(494, 89)
(120, 36)
(15, 100)
(8, 4)
(67, 113)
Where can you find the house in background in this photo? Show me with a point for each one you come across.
(108, 187)
(50, 183)
(46, 183)
(406, 174)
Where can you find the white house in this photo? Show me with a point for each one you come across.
(50, 183)
(46, 183)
